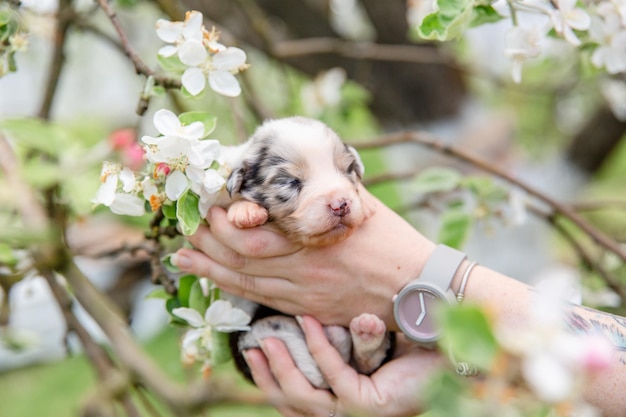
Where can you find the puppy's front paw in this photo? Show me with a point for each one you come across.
(244, 214)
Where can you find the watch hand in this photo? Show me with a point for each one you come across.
(422, 315)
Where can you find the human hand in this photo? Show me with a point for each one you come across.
(334, 283)
(393, 390)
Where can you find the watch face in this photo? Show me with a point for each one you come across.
(414, 314)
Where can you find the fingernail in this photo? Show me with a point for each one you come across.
(181, 261)
(300, 321)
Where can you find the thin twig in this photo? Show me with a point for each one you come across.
(64, 20)
(140, 66)
(432, 142)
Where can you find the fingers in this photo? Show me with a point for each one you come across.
(256, 242)
(260, 290)
(286, 387)
(341, 377)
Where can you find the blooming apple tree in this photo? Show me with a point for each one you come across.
(178, 173)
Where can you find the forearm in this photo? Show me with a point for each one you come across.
(510, 302)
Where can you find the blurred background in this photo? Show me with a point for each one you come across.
(356, 65)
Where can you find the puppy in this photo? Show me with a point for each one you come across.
(299, 177)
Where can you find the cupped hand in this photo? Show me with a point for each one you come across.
(393, 390)
(333, 283)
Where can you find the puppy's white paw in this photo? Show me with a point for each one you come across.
(245, 214)
(369, 342)
(367, 330)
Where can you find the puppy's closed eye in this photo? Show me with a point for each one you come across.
(284, 179)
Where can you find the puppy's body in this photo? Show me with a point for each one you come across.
(297, 175)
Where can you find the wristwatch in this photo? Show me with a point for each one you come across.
(414, 305)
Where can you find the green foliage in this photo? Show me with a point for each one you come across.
(449, 20)
(467, 334)
(455, 227)
(187, 213)
(436, 179)
(209, 121)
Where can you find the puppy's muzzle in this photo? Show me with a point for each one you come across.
(340, 208)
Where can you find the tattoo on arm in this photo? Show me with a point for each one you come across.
(612, 326)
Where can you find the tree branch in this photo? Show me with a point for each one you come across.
(360, 50)
(181, 399)
(140, 66)
(432, 142)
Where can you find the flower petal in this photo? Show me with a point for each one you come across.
(166, 122)
(106, 192)
(194, 130)
(168, 50)
(193, 25)
(229, 59)
(578, 19)
(225, 318)
(168, 31)
(190, 315)
(127, 177)
(175, 185)
(192, 53)
(224, 83)
(212, 182)
(193, 80)
(128, 205)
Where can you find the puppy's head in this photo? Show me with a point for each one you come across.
(307, 179)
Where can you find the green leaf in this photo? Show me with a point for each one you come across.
(455, 227)
(207, 120)
(37, 134)
(169, 211)
(220, 353)
(7, 257)
(184, 288)
(444, 395)
(168, 265)
(467, 332)
(197, 300)
(187, 213)
(485, 188)
(484, 14)
(436, 179)
(171, 63)
(450, 19)
(41, 173)
(159, 293)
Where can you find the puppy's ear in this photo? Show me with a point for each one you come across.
(235, 179)
(359, 168)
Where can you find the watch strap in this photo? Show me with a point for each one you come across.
(441, 267)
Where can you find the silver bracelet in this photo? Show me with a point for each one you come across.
(461, 295)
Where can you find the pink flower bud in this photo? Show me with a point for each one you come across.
(133, 156)
(161, 169)
(122, 138)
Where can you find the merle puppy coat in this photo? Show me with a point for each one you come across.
(296, 175)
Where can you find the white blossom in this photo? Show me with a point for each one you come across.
(522, 44)
(555, 361)
(324, 91)
(114, 192)
(568, 17)
(185, 37)
(219, 69)
(610, 34)
(220, 316)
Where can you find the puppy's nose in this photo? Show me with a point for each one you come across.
(340, 208)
